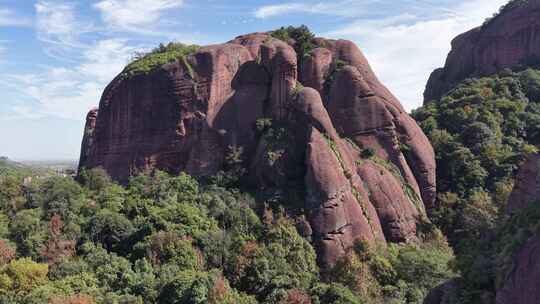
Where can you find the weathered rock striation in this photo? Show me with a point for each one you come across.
(88, 136)
(366, 168)
(520, 286)
(510, 39)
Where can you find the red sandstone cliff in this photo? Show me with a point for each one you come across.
(510, 39)
(177, 120)
(520, 286)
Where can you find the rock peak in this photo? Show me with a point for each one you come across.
(509, 39)
(321, 121)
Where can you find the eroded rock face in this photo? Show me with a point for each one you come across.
(326, 111)
(521, 284)
(510, 39)
(527, 185)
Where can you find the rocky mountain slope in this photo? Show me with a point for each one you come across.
(306, 114)
(509, 39)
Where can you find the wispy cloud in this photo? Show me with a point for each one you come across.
(279, 9)
(342, 8)
(134, 15)
(56, 23)
(69, 92)
(8, 18)
(91, 55)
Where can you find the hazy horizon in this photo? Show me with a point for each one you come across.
(57, 56)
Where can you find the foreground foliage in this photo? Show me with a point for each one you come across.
(144, 63)
(172, 239)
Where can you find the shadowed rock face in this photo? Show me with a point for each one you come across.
(521, 284)
(527, 185)
(510, 39)
(88, 136)
(184, 116)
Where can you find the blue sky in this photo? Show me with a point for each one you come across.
(57, 56)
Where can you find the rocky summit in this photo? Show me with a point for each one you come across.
(509, 39)
(306, 113)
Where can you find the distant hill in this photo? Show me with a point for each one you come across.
(8, 166)
(35, 168)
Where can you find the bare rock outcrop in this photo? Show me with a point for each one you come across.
(365, 167)
(88, 136)
(509, 39)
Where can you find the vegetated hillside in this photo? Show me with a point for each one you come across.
(300, 121)
(8, 166)
(481, 132)
(171, 239)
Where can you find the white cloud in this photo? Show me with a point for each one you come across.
(132, 14)
(341, 8)
(8, 18)
(106, 59)
(56, 23)
(344, 8)
(279, 9)
(70, 92)
(405, 49)
(91, 61)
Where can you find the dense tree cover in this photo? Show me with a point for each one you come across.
(144, 63)
(300, 36)
(481, 131)
(173, 239)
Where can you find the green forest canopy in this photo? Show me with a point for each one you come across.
(172, 239)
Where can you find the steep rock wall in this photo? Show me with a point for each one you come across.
(520, 286)
(185, 115)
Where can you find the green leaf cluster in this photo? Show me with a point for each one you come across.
(144, 63)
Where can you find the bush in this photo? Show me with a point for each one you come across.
(301, 36)
(22, 276)
(145, 63)
(333, 294)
